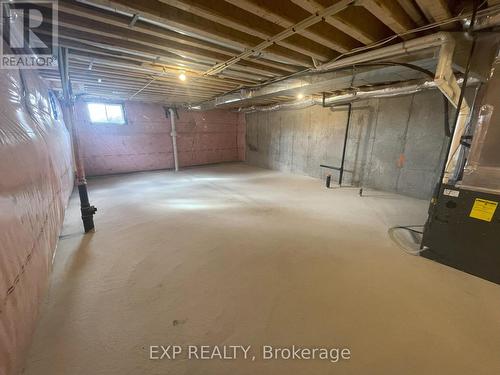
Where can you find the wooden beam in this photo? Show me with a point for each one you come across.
(121, 22)
(151, 88)
(154, 54)
(390, 13)
(70, 22)
(154, 87)
(127, 61)
(354, 21)
(199, 27)
(116, 19)
(138, 65)
(110, 87)
(286, 14)
(413, 11)
(241, 20)
(142, 72)
(105, 81)
(121, 74)
(295, 28)
(124, 93)
(435, 10)
(133, 88)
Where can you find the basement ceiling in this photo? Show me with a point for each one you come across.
(136, 49)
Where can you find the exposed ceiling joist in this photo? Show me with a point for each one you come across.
(289, 15)
(390, 13)
(194, 25)
(119, 20)
(136, 65)
(229, 15)
(83, 41)
(76, 23)
(304, 24)
(434, 10)
(225, 45)
(354, 21)
(413, 11)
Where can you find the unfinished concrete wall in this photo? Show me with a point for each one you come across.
(394, 144)
(144, 142)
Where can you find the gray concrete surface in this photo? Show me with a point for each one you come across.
(238, 255)
(395, 144)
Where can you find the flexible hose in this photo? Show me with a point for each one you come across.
(394, 238)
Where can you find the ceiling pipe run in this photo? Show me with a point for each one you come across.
(444, 79)
(414, 45)
(385, 91)
(443, 42)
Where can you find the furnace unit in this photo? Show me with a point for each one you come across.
(463, 227)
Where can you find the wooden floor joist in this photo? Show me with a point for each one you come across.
(118, 46)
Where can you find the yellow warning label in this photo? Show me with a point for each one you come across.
(483, 209)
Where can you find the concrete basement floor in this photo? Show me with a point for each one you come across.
(237, 255)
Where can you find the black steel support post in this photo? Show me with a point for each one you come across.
(86, 209)
(344, 149)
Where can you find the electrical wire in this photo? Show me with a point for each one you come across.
(427, 72)
(410, 228)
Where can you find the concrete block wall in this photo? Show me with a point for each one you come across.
(144, 142)
(394, 144)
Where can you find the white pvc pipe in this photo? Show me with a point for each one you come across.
(173, 133)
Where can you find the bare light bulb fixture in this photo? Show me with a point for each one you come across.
(182, 76)
(300, 96)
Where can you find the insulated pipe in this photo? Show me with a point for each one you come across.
(291, 86)
(406, 47)
(174, 138)
(444, 79)
(442, 40)
(382, 91)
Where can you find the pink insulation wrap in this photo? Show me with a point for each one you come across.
(36, 179)
(144, 142)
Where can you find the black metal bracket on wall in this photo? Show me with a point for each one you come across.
(344, 148)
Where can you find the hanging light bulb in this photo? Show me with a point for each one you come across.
(182, 76)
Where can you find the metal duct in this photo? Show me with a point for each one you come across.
(313, 82)
(406, 47)
(299, 104)
(385, 91)
(486, 21)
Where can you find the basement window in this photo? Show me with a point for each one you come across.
(106, 113)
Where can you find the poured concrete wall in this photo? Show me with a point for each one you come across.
(144, 142)
(394, 144)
